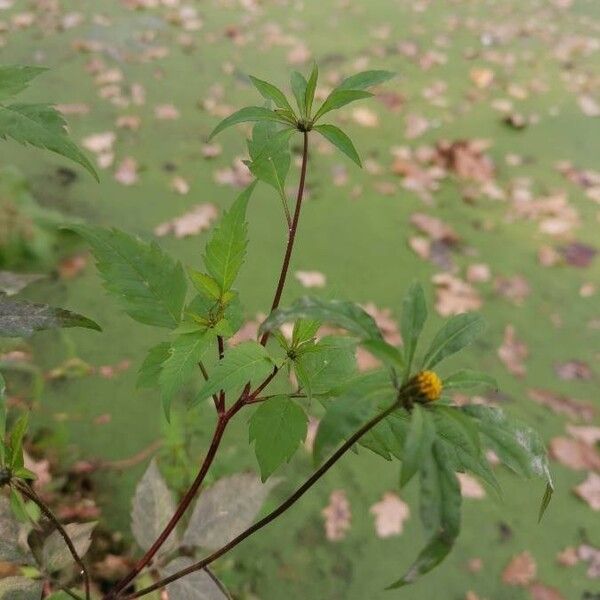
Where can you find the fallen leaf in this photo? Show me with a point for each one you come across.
(390, 513)
(521, 570)
(567, 557)
(470, 487)
(311, 279)
(589, 106)
(573, 369)
(539, 591)
(180, 185)
(589, 491)
(515, 288)
(588, 434)
(590, 555)
(198, 219)
(481, 77)
(166, 112)
(365, 117)
(577, 254)
(337, 516)
(564, 405)
(513, 352)
(385, 321)
(478, 273)
(454, 296)
(127, 171)
(574, 454)
(71, 267)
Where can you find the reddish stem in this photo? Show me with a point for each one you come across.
(291, 236)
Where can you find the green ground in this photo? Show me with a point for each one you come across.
(359, 243)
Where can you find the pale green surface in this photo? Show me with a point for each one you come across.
(360, 244)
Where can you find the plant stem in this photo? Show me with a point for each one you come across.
(291, 235)
(285, 505)
(223, 416)
(29, 493)
(205, 375)
(179, 512)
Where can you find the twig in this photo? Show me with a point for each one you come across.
(216, 581)
(29, 493)
(291, 236)
(290, 501)
(205, 375)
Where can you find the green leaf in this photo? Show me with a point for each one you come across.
(184, 354)
(271, 159)
(387, 438)
(15, 449)
(56, 555)
(344, 314)
(311, 86)
(417, 445)
(247, 362)
(270, 92)
(198, 585)
(466, 378)
(205, 284)
(365, 79)
(278, 427)
(414, 315)
(326, 364)
(305, 330)
(340, 140)
(42, 126)
(440, 511)
(517, 445)
(21, 319)
(249, 114)
(457, 332)
(339, 98)
(226, 250)
(152, 365)
(299, 85)
(346, 414)
(148, 283)
(15, 78)
(459, 435)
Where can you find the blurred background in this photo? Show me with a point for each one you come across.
(480, 179)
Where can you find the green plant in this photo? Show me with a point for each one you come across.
(400, 412)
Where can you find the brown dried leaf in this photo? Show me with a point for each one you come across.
(199, 219)
(337, 516)
(454, 296)
(311, 279)
(589, 491)
(513, 352)
(539, 591)
(564, 405)
(390, 513)
(470, 487)
(521, 570)
(574, 454)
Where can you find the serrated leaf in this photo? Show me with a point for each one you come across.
(42, 126)
(246, 362)
(152, 365)
(466, 378)
(326, 364)
(182, 363)
(271, 159)
(440, 511)
(9, 534)
(20, 588)
(340, 140)
(311, 86)
(339, 98)
(225, 252)
(225, 510)
(387, 438)
(205, 284)
(152, 508)
(249, 114)
(347, 315)
(15, 449)
(277, 427)
(365, 79)
(148, 283)
(347, 413)
(517, 445)
(299, 85)
(414, 315)
(13, 283)
(196, 586)
(55, 552)
(270, 92)
(418, 442)
(15, 78)
(21, 318)
(458, 332)
(304, 331)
